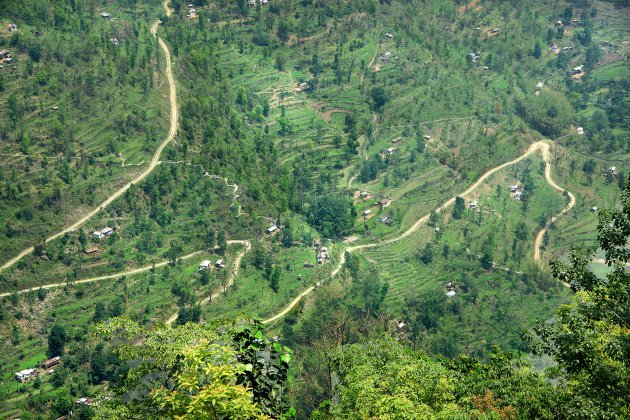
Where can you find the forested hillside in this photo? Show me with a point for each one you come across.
(402, 191)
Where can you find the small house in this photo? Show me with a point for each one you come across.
(107, 231)
(84, 401)
(594, 209)
(91, 251)
(115, 41)
(51, 363)
(12, 27)
(559, 23)
(384, 203)
(106, 15)
(494, 31)
(450, 293)
(612, 170)
(389, 151)
(474, 204)
(264, 2)
(401, 324)
(272, 229)
(322, 255)
(517, 195)
(474, 56)
(97, 234)
(308, 265)
(204, 265)
(540, 85)
(578, 69)
(303, 85)
(367, 212)
(427, 137)
(252, 3)
(580, 130)
(220, 263)
(388, 35)
(25, 375)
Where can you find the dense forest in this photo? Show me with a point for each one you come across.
(314, 209)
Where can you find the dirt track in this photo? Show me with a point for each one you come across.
(541, 146)
(237, 265)
(152, 165)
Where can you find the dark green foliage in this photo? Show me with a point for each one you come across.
(267, 367)
(550, 113)
(589, 338)
(379, 97)
(331, 215)
(459, 208)
(188, 314)
(57, 339)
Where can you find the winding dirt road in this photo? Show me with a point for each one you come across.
(152, 165)
(237, 265)
(541, 146)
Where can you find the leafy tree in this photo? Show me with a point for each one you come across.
(537, 50)
(274, 280)
(100, 312)
(56, 341)
(222, 242)
(332, 215)
(415, 386)
(193, 372)
(590, 337)
(379, 97)
(593, 55)
(459, 208)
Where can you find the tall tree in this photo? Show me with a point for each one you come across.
(590, 337)
(56, 341)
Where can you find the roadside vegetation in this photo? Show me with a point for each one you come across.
(306, 130)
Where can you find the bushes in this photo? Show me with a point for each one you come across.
(550, 113)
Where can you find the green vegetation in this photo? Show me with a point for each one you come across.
(357, 126)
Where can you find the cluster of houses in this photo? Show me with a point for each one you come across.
(387, 219)
(389, 151)
(206, 264)
(99, 234)
(387, 56)
(577, 72)
(450, 290)
(48, 366)
(474, 56)
(516, 191)
(321, 253)
(192, 12)
(252, 3)
(5, 56)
